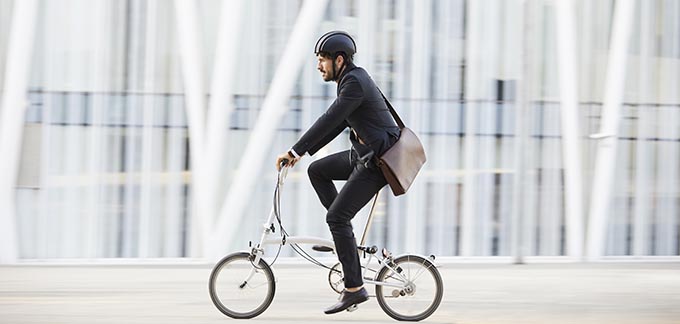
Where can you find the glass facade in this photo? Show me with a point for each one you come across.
(105, 161)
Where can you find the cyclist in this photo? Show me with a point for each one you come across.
(359, 106)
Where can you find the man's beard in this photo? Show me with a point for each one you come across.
(327, 76)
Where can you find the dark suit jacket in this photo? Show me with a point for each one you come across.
(359, 105)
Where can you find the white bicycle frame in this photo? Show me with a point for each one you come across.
(258, 250)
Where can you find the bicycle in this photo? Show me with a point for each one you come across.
(242, 284)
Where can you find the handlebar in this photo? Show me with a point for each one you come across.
(283, 171)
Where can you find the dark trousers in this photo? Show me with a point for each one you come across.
(362, 184)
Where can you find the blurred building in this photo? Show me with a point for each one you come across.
(105, 163)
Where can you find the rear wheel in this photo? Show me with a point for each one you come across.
(413, 289)
(239, 288)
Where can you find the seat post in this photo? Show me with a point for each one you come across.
(369, 220)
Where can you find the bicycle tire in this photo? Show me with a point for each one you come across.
(399, 263)
(243, 262)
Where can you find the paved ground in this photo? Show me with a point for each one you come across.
(537, 293)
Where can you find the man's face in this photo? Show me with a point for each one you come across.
(325, 66)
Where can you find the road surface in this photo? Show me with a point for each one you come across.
(474, 293)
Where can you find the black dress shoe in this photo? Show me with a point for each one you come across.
(348, 299)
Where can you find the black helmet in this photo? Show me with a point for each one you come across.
(335, 42)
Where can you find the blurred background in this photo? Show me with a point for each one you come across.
(149, 129)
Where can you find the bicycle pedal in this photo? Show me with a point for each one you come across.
(352, 308)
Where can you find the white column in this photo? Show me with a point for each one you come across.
(174, 190)
(605, 162)
(416, 119)
(486, 121)
(644, 149)
(569, 107)
(668, 131)
(221, 104)
(147, 232)
(50, 237)
(472, 63)
(14, 101)
(443, 148)
(667, 181)
(518, 231)
(192, 74)
(400, 77)
(274, 106)
(307, 209)
(367, 41)
(95, 220)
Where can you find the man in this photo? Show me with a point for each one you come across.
(360, 106)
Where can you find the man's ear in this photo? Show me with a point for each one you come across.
(339, 60)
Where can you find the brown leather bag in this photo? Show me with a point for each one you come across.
(401, 163)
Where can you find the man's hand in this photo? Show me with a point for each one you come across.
(290, 160)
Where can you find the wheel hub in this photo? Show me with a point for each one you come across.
(410, 289)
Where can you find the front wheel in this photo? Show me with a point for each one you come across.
(409, 289)
(239, 288)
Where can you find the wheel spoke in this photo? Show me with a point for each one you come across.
(422, 270)
(258, 285)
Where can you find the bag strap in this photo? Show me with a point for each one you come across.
(392, 111)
